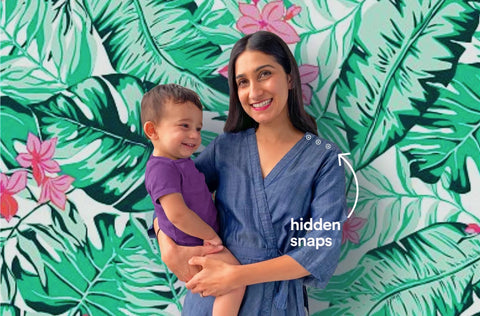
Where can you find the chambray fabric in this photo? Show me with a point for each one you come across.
(255, 214)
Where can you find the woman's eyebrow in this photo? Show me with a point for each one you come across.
(257, 69)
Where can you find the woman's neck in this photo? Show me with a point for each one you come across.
(277, 132)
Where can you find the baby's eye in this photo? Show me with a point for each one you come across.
(184, 125)
(199, 129)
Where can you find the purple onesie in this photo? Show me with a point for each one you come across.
(164, 176)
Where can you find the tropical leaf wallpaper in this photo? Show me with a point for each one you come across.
(396, 83)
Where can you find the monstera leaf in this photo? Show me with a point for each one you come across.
(439, 144)
(157, 41)
(46, 47)
(401, 50)
(431, 272)
(18, 120)
(117, 278)
(100, 142)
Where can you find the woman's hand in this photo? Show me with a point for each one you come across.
(176, 257)
(216, 278)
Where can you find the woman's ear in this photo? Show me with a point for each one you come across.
(149, 129)
(289, 79)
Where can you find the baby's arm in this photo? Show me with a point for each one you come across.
(187, 220)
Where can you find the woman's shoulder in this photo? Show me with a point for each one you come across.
(229, 137)
(321, 145)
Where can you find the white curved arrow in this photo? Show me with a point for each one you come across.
(340, 157)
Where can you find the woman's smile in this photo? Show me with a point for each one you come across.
(260, 106)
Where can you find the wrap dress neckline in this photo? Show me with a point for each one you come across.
(280, 165)
(261, 200)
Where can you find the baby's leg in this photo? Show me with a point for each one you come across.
(228, 304)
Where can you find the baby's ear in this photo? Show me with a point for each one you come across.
(149, 129)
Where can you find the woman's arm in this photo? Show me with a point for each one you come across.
(176, 257)
(218, 278)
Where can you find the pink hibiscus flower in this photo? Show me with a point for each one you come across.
(8, 187)
(53, 189)
(273, 18)
(350, 228)
(39, 157)
(308, 73)
(472, 229)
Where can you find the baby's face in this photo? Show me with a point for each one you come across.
(178, 131)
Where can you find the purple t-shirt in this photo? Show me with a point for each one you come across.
(164, 176)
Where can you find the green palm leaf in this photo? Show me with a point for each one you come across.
(156, 41)
(46, 47)
(100, 138)
(401, 50)
(393, 198)
(328, 39)
(119, 278)
(431, 272)
(448, 134)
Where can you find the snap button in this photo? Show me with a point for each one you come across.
(318, 142)
(308, 137)
(328, 146)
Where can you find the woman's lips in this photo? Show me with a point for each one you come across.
(260, 106)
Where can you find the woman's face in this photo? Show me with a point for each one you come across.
(262, 87)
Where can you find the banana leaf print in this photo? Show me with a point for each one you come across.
(116, 278)
(39, 62)
(383, 201)
(437, 266)
(151, 39)
(438, 143)
(389, 77)
(98, 121)
(393, 82)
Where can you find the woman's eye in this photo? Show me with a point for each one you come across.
(264, 74)
(242, 83)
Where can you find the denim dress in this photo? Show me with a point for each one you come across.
(256, 215)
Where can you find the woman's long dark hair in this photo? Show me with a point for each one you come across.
(270, 44)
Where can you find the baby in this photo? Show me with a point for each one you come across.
(172, 119)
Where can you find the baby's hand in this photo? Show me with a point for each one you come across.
(215, 241)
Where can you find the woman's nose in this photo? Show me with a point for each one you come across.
(255, 90)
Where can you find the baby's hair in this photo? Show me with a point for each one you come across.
(158, 96)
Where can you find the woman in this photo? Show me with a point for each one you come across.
(271, 173)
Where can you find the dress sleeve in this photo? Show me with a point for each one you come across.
(163, 178)
(329, 204)
(205, 163)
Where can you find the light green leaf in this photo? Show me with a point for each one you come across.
(327, 44)
(45, 47)
(448, 134)
(383, 201)
(431, 272)
(156, 41)
(121, 277)
(217, 25)
(330, 127)
(402, 49)
(9, 310)
(16, 121)
(100, 138)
